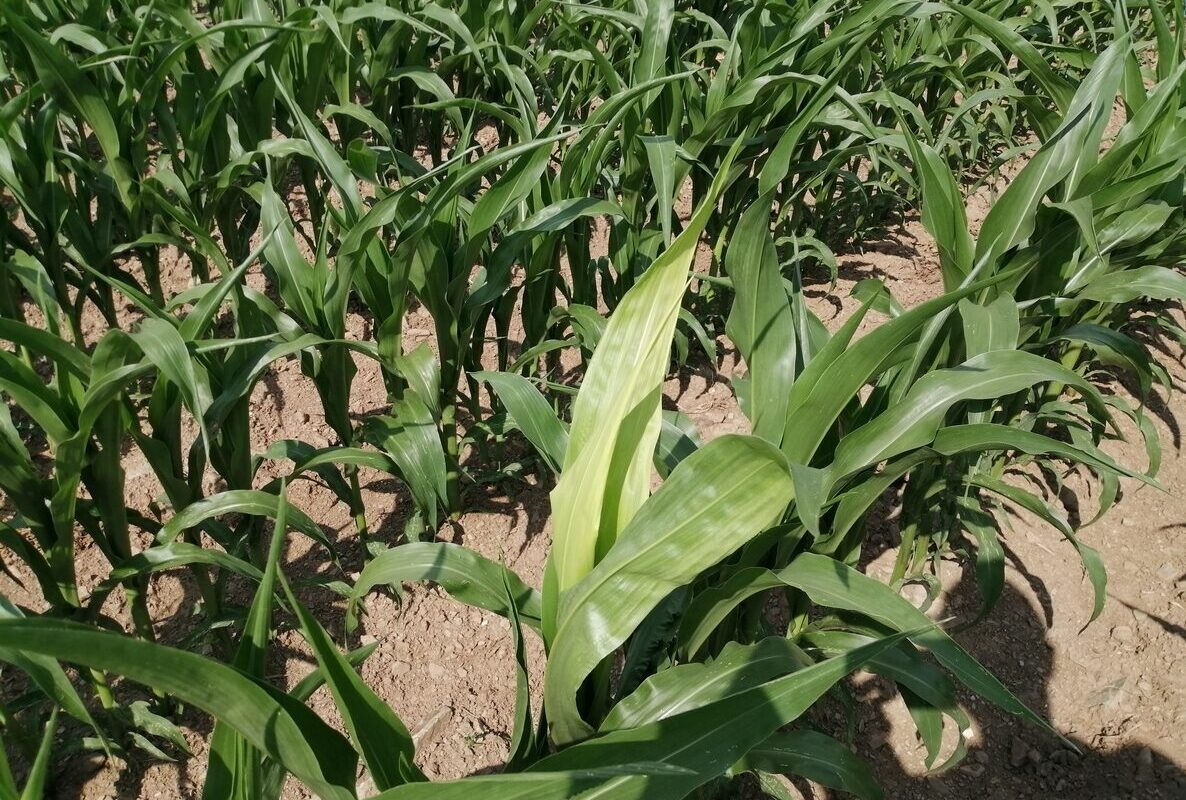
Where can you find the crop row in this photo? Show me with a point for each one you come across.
(195, 196)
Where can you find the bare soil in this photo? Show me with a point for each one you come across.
(1116, 690)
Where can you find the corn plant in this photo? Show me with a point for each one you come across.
(368, 157)
(1035, 307)
(619, 557)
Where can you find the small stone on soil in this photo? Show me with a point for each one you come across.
(1018, 751)
(1145, 765)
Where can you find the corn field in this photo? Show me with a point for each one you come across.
(585, 200)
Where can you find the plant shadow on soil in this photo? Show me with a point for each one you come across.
(1010, 758)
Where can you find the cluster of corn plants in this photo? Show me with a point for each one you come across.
(461, 158)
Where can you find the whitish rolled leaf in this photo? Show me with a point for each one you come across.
(615, 419)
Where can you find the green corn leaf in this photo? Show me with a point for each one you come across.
(710, 739)
(943, 212)
(234, 769)
(987, 437)
(524, 744)
(914, 422)
(286, 731)
(331, 163)
(834, 585)
(1093, 564)
(36, 782)
(661, 156)
(647, 649)
(814, 756)
(467, 576)
(700, 514)
(838, 372)
(66, 82)
(995, 326)
(760, 322)
(165, 348)
(990, 555)
(239, 384)
(1125, 286)
(710, 607)
(1054, 86)
(678, 439)
(173, 555)
(423, 374)
(297, 280)
(1066, 156)
(46, 673)
(688, 686)
(932, 691)
(29, 392)
(64, 355)
(238, 501)
(199, 320)
(511, 189)
(1118, 159)
(531, 412)
(411, 439)
(552, 785)
(376, 731)
(7, 781)
(1115, 348)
